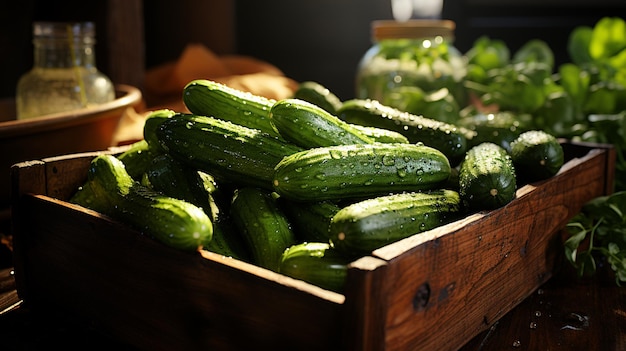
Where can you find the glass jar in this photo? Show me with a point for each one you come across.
(411, 64)
(64, 75)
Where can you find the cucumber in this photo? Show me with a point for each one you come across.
(310, 220)
(173, 222)
(152, 123)
(173, 178)
(536, 155)
(500, 128)
(364, 226)
(208, 98)
(319, 95)
(316, 263)
(487, 178)
(137, 158)
(445, 137)
(359, 170)
(226, 240)
(230, 152)
(309, 125)
(381, 135)
(264, 227)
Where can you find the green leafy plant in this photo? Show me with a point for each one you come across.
(599, 232)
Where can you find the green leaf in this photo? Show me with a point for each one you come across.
(575, 81)
(535, 50)
(608, 38)
(488, 53)
(573, 242)
(578, 45)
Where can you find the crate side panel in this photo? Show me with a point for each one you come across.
(482, 269)
(159, 298)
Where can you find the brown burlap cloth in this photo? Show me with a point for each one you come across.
(164, 84)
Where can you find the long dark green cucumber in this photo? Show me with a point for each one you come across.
(263, 226)
(362, 227)
(208, 98)
(174, 222)
(309, 125)
(359, 170)
(317, 263)
(445, 137)
(487, 178)
(228, 151)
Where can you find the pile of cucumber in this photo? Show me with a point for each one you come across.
(305, 185)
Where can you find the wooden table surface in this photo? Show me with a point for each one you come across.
(566, 313)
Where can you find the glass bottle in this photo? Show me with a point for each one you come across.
(64, 75)
(412, 63)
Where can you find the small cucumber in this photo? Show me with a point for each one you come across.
(230, 152)
(500, 128)
(226, 240)
(177, 180)
(309, 125)
(310, 220)
(359, 170)
(173, 222)
(536, 155)
(173, 178)
(137, 158)
(319, 95)
(487, 178)
(445, 137)
(263, 226)
(316, 263)
(364, 226)
(152, 123)
(208, 98)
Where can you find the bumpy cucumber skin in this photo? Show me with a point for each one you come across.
(316, 263)
(309, 125)
(208, 98)
(445, 137)
(487, 178)
(263, 226)
(230, 152)
(536, 155)
(352, 171)
(173, 222)
(319, 95)
(364, 226)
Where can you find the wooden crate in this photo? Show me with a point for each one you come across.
(432, 291)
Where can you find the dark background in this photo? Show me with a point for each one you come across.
(320, 40)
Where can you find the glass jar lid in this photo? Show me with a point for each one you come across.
(412, 29)
(77, 31)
